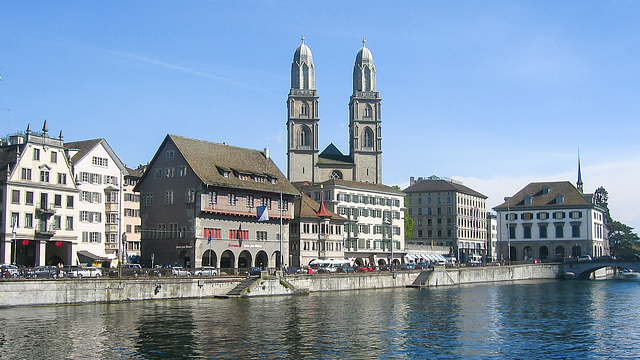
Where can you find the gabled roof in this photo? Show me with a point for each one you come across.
(7, 157)
(306, 208)
(209, 161)
(541, 198)
(349, 184)
(331, 155)
(84, 147)
(441, 185)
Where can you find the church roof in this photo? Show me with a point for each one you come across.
(331, 155)
(364, 56)
(544, 194)
(302, 53)
(350, 184)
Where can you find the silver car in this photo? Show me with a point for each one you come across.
(206, 271)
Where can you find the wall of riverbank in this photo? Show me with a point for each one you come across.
(72, 291)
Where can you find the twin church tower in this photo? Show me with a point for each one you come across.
(305, 163)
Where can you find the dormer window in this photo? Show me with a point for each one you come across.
(559, 199)
(528, 199)
(545, 189)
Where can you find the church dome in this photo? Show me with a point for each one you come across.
(364, 55)
(302, 53)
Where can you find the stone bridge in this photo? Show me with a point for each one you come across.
(584, 269)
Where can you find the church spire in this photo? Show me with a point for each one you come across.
(579, 183)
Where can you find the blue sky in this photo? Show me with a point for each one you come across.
(496, 94)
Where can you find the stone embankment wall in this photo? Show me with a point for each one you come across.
(68, 291)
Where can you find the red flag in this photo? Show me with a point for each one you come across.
(25, 242)
(58, 243)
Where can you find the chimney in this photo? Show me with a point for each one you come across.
(266, 153)
(412, 181)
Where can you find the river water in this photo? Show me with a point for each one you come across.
(551, 319)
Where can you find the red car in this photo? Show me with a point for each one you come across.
(364, 268)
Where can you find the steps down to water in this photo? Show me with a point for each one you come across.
(421, 279)
(237, 291)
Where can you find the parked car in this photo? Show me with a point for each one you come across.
(46, 272)
(292, 270)
(584, 258)
(84, 272)
(129, 270)
(255, 271)
(408, 266)
(206, 271)
(364, 268)
(346, 269)
(9, 271)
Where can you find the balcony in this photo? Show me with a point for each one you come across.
(44, 230)
(45, 209)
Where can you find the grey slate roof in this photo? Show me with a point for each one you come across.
(306, 207)
(572, 196)
(207, 159)
(83, 146)
(332, 156)
(303, 186)
(441, 185)
(7, 157)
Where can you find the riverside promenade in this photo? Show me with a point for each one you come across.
(25, 292)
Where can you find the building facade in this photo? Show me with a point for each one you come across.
(199, 204)
(549, 221)
(305, 163)
(315, 233)
(448, 214)
(374, 213)
(38, 200)
(99, 175)
(132, 224)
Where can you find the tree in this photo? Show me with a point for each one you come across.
(622, 240)
(408, 221)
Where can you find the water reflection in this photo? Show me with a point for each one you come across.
(537, 319)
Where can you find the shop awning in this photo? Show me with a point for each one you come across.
(91, 256)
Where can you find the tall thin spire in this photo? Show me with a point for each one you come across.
(579, 183)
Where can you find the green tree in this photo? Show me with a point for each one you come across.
(622, 240)
(408, 221)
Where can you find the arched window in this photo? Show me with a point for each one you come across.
(367, 111)
(305, 133)
(304, 109)
(305, 77)
(367, 80)
(367, 141)
(335, 174)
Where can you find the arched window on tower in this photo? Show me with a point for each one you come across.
(335, 174)
(367, 79)
(367, 139)
(304, 109)
(305, 133)
(305, 77)
(367, 111)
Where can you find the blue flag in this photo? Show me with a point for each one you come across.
(263, 213)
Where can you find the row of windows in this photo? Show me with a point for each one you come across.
(44, 199)
(44, 176)
(137, 228)
(132, 197)
(366, 229)
(100, 161)
(323, 246)
(93, 178)
(91, 237)
(466, 234)
(543, 232)
(41, 223)
(36, 155)
(356, 244)
(212, 199)
(354, 213)
(543, 215)
(363, 199)
(312, 228)
(90, 216)
(131, 212)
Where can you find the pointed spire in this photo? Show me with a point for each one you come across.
(579, 183)
(322, 212)
(45, 127)
(28, 129)
(61, 137)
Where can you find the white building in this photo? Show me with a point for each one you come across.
(38, 200)
(99, 175)
(375, 218)
(548, 221)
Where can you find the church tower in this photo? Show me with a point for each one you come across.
(302, 118)
(365, 132)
